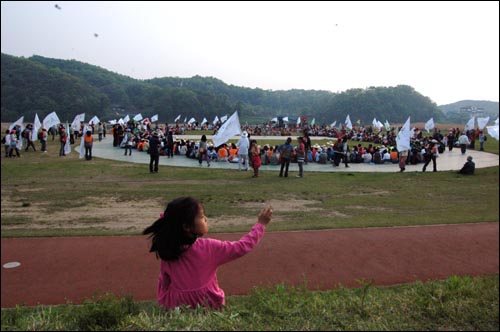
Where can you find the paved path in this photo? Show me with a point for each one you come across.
(447, 161)
(57, 270)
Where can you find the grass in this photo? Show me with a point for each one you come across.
(337, 200)
(457, 303)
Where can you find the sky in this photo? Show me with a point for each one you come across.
(447, 51)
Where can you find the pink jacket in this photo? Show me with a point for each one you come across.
(192, 279)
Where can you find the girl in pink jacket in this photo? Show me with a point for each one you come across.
(189, 263)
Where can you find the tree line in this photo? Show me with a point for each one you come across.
(69, 87)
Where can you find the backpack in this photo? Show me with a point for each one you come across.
(286, 152)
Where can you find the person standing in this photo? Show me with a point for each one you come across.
(88, 142)
(286, 151)
(243, 147)
(154, 153)
(403, 156)
(255, 158)
(203, 151)
(62, 140)
(307, 145)
(463, 140)
(130, 141)
(431, 153)
(301, 154)
(100, 131)
(170, 144)
(482, 139)
(43, 139)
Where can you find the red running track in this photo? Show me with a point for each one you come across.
(61, 270)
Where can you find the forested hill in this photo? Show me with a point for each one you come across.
(42, 85)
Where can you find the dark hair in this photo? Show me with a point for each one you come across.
(169, 235)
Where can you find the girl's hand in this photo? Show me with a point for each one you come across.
(266, 215)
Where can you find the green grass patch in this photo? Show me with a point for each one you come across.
(457, 303)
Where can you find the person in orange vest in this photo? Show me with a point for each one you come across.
(88, 142)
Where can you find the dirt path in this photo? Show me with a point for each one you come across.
(58, 270)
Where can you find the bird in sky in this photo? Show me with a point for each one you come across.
(96, 35)
(57, 6)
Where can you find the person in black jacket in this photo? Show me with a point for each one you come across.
(469, 167)
(154, 153)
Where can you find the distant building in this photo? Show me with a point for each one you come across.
(472, 110)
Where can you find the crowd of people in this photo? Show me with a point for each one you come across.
(373, 146)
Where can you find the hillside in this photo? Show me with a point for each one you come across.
(461, 111)
(42, 85)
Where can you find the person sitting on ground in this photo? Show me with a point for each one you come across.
(469, 167)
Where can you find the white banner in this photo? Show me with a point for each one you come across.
(138, 117)
(154, 118)
(67, 145)
(470, 124)
(493, 131)
(36, 125)
(403, 138)
(19, 122)
(229, 129)
(76, 121)
(482, 122)
(95, 120)
(51, 120)
(348, 122)
(429, 125)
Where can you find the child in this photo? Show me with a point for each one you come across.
(188, 264)
(255, 158)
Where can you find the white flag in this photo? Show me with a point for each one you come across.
(493, 131)
(224, 118)
(229, 129)
(285, 119)
(51, 120)
(204, 121)
(112, 122)
(154, 118)
(76, 121)
(429, 125)
(348, 122)
(67, 146)
(387, 126)
(126, 119)
(19, 122)
(138, 117)
(482, 122)
(333, 123)
(403, 138)
(36, 125)
(215, 120)
(177, 118)
(298, 120)
(191, 120)
(470, 124)
(380, 125)
(95, 120)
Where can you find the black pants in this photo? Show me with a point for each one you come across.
(428, 160)
(285, 163)
(154, 158)
(88, 152)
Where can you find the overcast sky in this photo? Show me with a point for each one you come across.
(447, 51)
